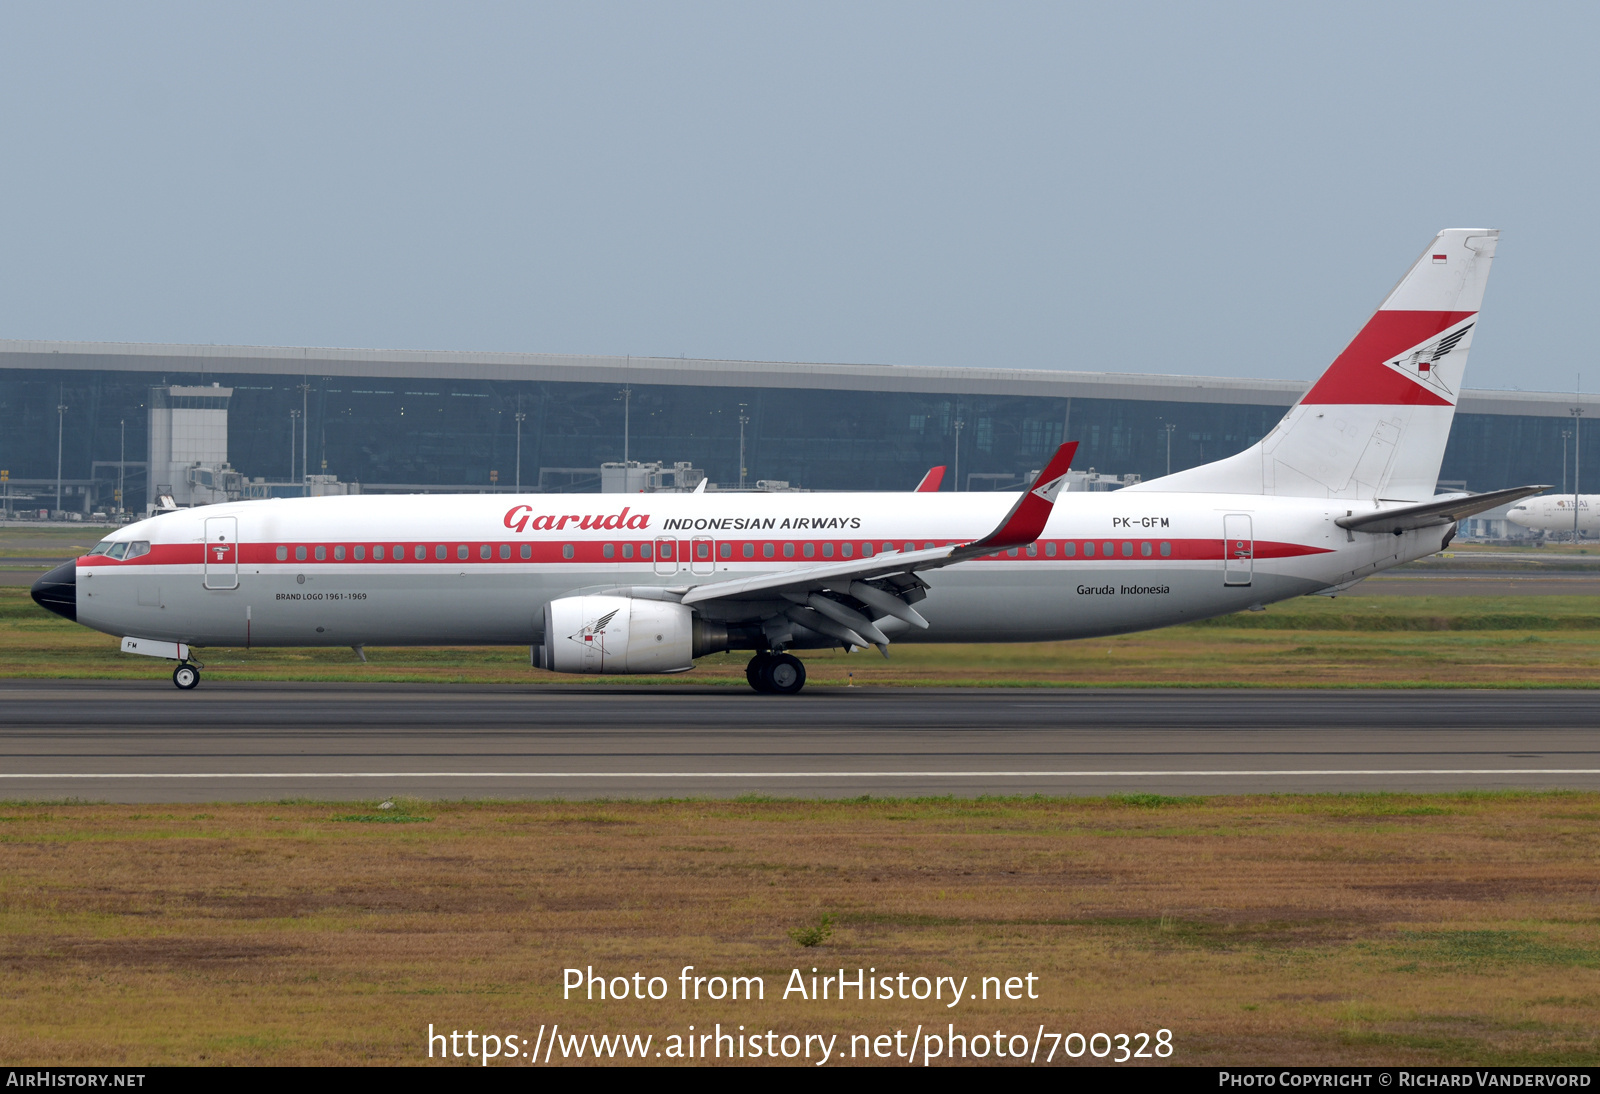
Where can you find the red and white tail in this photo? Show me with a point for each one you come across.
(1375, 424)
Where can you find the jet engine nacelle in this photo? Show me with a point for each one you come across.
(618, 634)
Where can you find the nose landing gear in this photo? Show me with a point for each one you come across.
(186, 676)
(776, 673)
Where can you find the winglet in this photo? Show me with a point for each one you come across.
(931, 481)
(1026, 521)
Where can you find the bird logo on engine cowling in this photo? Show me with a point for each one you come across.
(593, 634)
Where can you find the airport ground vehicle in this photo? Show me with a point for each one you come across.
(1342, 488)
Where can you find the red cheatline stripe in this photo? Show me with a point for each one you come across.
(592, 552)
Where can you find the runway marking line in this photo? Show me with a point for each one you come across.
(791, 774)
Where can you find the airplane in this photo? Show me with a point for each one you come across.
(1554, 513)
(1342, 488)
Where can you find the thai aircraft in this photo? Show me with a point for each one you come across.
(1341, 488)
(1554, 513)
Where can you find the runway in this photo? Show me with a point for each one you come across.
(148, 742)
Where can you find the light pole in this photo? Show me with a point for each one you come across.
(305, 438)
(294, 416)
(1169, 427)
(61, 417)
(627, 403)
(959, 426)
(1566, 435)
(1577, 463)
(744, 420)
(521, 417)
(122, 461)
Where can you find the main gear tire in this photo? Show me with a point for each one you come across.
(753, 671)
(783, 674)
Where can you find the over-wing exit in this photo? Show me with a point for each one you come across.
(1342, 488)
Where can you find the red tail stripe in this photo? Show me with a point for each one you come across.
(1359, 375)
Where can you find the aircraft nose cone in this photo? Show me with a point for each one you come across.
(57, 591)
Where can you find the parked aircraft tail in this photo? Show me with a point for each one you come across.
(1374, 426)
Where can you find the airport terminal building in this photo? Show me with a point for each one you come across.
(209, 422)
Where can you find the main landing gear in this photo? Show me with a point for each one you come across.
(186, 676)
(776, 673)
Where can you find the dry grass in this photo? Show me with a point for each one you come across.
(1361, 929)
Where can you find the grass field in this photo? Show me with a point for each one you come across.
(1457, 929)
(1392, 641)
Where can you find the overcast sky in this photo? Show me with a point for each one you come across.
(1204, 189)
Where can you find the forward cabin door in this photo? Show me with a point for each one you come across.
(1238, 549)
(222, 553)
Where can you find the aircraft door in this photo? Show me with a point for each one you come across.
(222, 553)
(666, 555)
(702, 559)
(1238, 549)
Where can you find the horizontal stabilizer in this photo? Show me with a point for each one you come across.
(1430, 514)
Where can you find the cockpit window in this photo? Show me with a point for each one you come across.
(118, 550)
(101, 548)
(138, 547)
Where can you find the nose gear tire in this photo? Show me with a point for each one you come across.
(186, 677)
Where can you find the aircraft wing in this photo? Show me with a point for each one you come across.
(1432, 513)
(846, 600)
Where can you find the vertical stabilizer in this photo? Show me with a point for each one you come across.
(1374, 425)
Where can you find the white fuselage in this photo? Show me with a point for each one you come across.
(1554, 513)
(478, 569)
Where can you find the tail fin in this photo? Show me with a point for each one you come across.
(931, 481)
(1375, 424)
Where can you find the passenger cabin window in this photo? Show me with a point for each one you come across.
(627, 550)
(609, 550)
(484, 552)
(1050, 550)
(567, 551)
(299, 554)
(377, 552)
(461, 551)
(283, 554)
(644, 550)
(827, 550)
(725, 549)
(322, 553)
(505, 550)
(788, 550)
(847, 549)
(527, 550)
(809, 550)
(338, 554)
(766, 550)
(400, 552)
(1166, 550)
(749, 550)
(421, 553)
(360, 552)
(439, 551)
